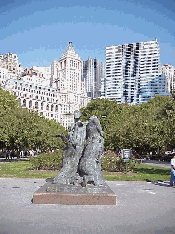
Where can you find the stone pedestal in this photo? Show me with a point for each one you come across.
(51, 193)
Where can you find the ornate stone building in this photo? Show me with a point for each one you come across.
(66, 79)
(10, 62)
(56, 97)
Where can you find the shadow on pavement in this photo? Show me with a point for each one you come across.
(162, 183)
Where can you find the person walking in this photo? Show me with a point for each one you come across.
(7, 155)
(172, 178)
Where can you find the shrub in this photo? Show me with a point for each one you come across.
(112, 162)
(47, 161)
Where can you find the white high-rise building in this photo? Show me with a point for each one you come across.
(93, 72)
(66, 72)
(168, 70)
(66, 79)
(133, 72)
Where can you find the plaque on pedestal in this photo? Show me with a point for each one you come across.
(74, 195)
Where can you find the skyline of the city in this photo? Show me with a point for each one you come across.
(39, 31)
(133, 75)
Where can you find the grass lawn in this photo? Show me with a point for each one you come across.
(23, 169)
(142, 172)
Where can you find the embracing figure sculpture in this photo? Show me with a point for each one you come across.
(82, 154)
(90, 162)
(72, 152)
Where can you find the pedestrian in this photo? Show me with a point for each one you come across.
(12, 155)
(7, 155)
(172, 178)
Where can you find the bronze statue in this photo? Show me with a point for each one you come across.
(82, 154)
(72, 152)
(90, 162)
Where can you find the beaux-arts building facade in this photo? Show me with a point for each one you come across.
(55, 98)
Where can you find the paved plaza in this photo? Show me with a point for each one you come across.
(142, 207)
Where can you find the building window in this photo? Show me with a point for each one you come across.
(30, 104)
(42, 105)
(24, 102)
(36, 105)
(52, 107)
(56, 108)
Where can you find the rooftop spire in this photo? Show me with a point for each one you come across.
(69, 51)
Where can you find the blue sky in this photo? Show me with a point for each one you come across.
(39, 31)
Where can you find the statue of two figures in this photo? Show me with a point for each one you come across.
(82, 154)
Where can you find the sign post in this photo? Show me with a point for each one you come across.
(126, 155)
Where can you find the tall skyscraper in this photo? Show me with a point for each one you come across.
(133, 72)
(169, 72)
(66, 79)
(93, 71)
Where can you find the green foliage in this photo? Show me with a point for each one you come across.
(143, 128)
(47, 161)
(112, 162)
(24, 129)
(142, 172)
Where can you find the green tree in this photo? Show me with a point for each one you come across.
(21, 128)
(144, 128)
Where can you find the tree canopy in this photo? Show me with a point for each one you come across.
(144, 128)
(21, 128)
